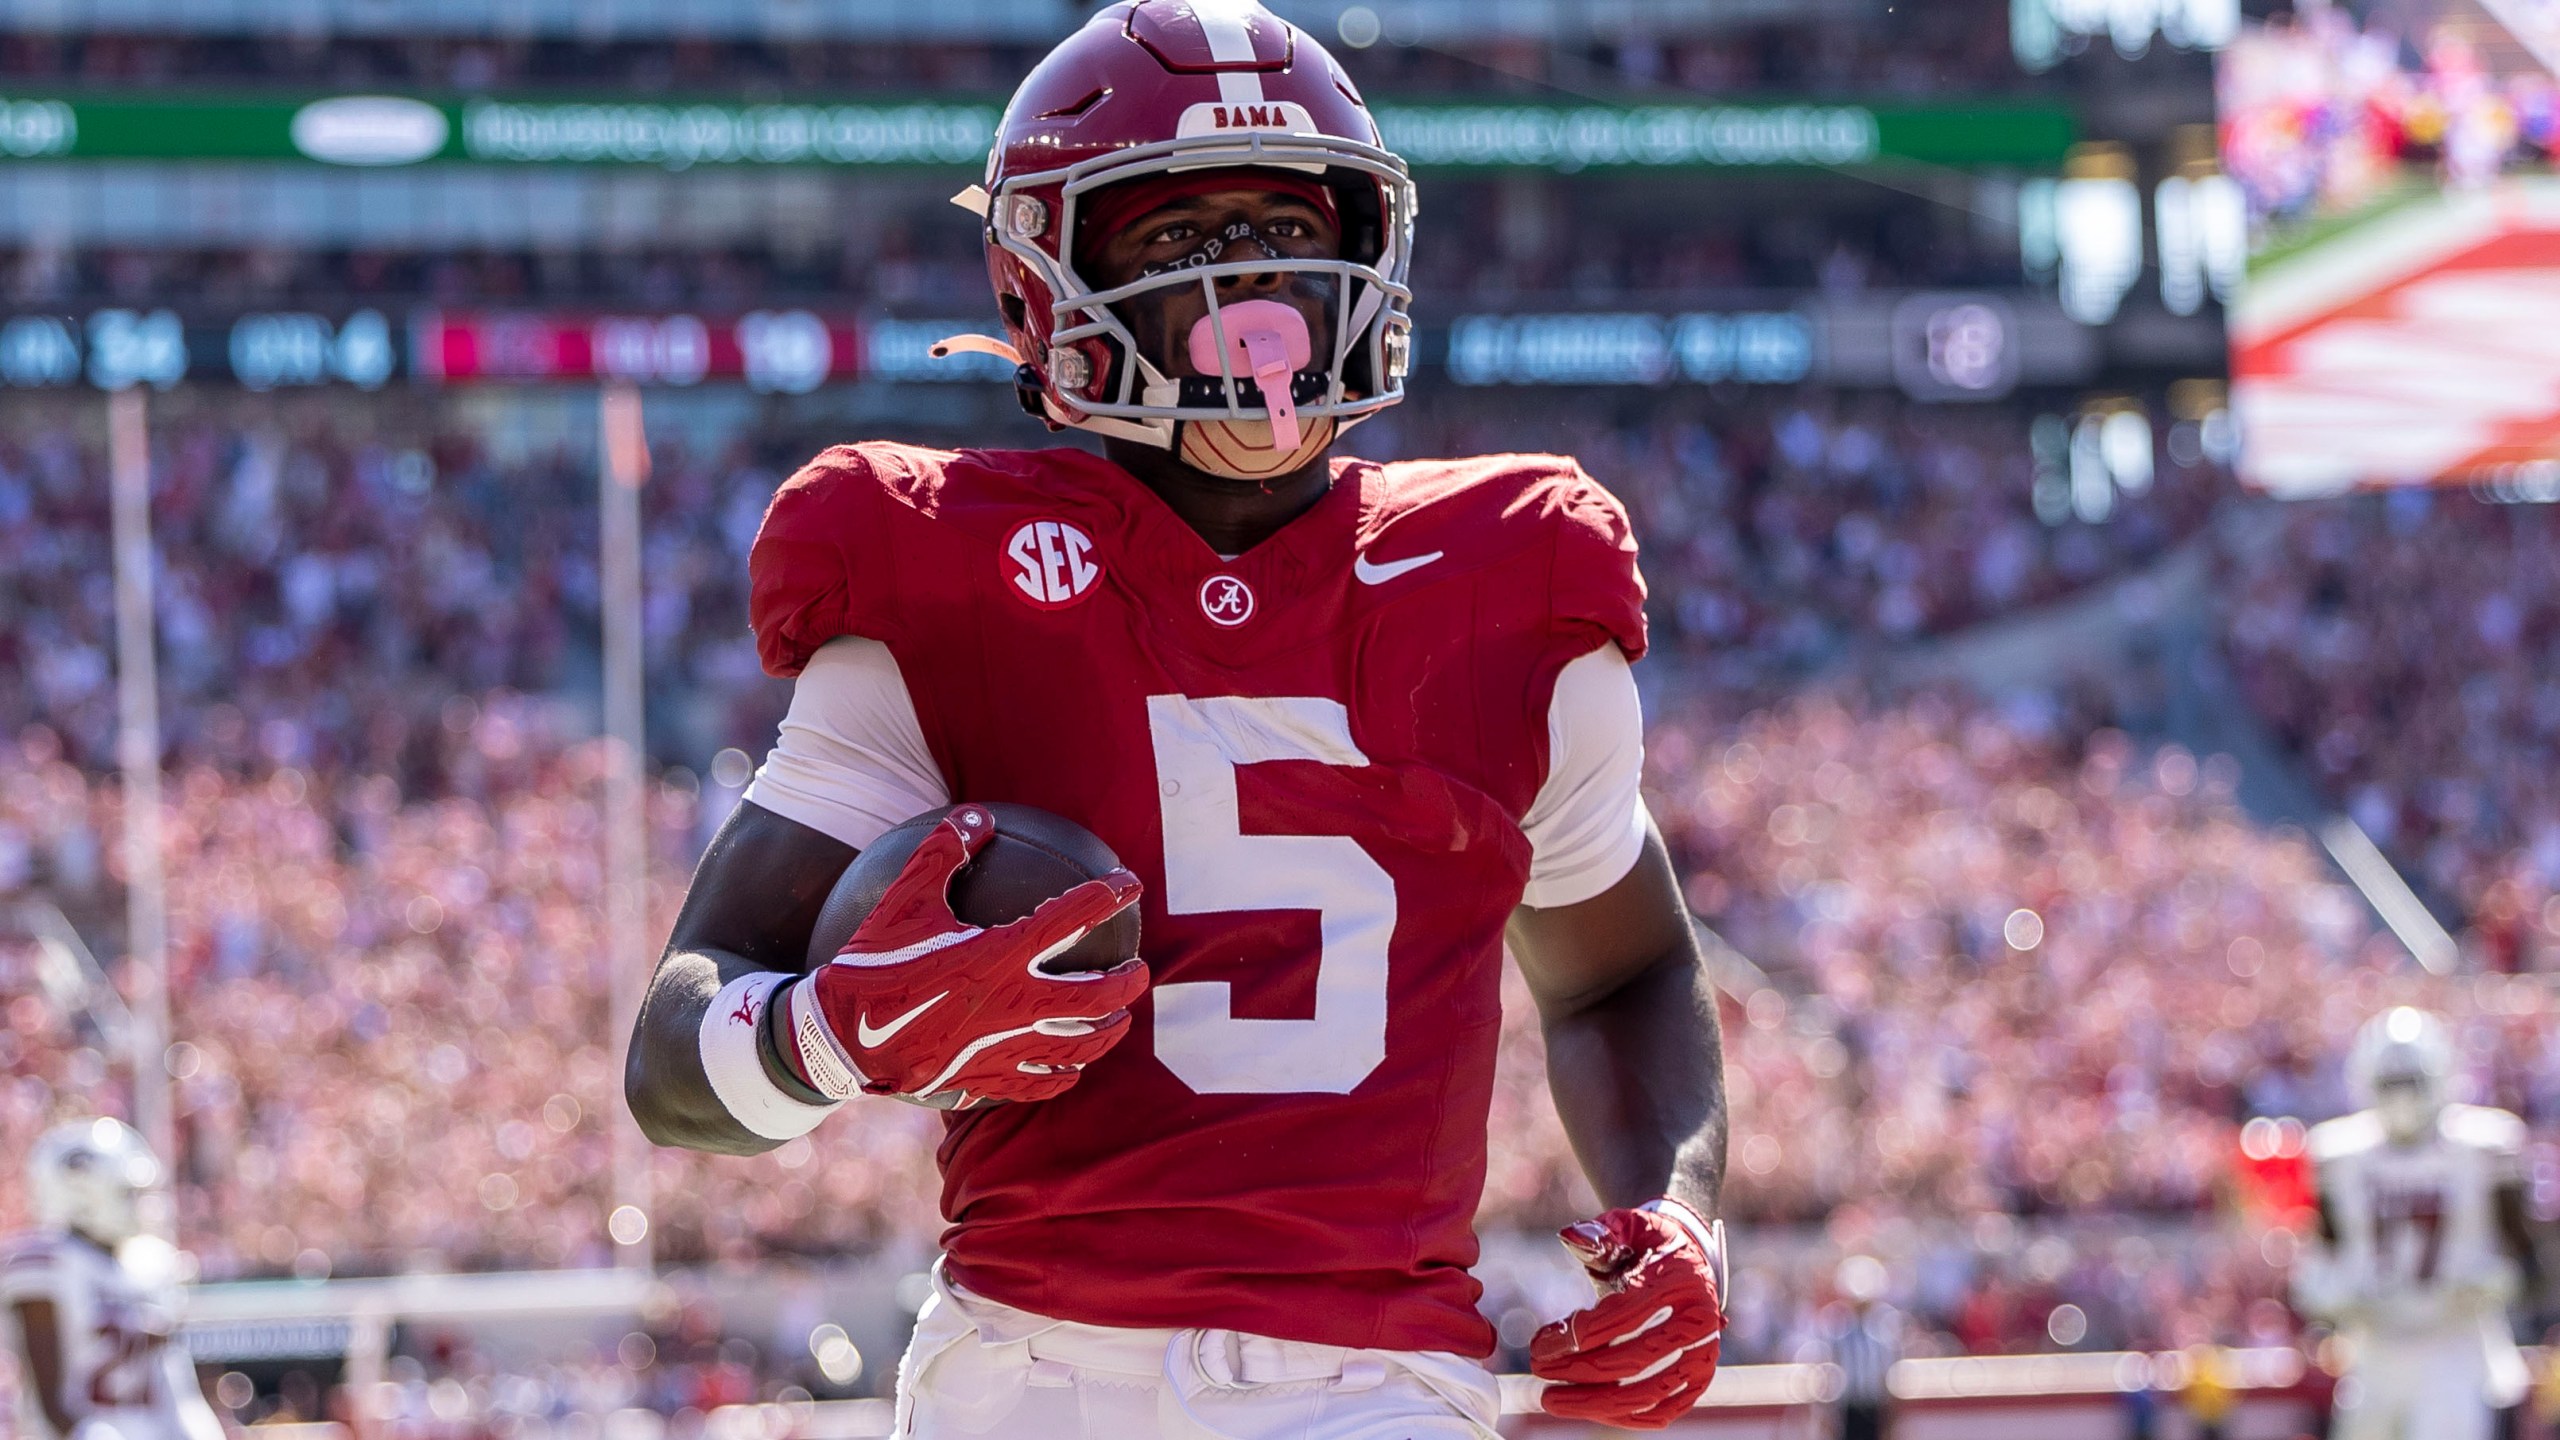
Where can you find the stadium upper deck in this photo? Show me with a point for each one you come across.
(1807, 49)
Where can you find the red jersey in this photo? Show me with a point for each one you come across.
(1317, 756)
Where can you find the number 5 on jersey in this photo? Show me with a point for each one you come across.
(1212, 867)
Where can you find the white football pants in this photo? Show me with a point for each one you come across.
(985, 1371)
(2418, 1387)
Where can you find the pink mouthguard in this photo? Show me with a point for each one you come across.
(1266, 340)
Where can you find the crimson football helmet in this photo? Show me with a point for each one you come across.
(1160, 87)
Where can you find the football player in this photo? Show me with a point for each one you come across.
(1354, 727)
(2425, 1241)
(91, 1299)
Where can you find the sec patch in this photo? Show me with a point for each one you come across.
(1050, 563)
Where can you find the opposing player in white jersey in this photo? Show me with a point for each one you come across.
(2425, 1242)
(90, 1301)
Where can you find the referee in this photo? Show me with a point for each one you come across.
(1863, 1336)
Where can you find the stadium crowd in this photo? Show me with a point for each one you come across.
(327, 590)
(1786, 530)
(391, 1016)
(1840, 52)
(2321, 112)
(2408, 647)
(912, 253)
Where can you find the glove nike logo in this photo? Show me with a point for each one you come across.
(1380, 574)
(871, 1038)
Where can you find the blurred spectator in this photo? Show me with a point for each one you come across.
(1863, 1336)
(1789, 529)
(2208, 1396)
(2408, 648)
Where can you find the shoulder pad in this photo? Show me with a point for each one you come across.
(820, 564)
(2344, 1138)
(28, 1264)
(2480, 1127)
(1516, 501)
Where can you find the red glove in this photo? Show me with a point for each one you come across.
(1643, 1354)
(921, 1004)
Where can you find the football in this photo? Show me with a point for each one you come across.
(1033, 856)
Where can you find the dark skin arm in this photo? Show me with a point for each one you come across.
(1635, 1053)
(2523, 1239)
(754, 899)
(41, 1333)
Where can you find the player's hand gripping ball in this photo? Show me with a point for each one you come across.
(923, 1004)
(1641, 1355)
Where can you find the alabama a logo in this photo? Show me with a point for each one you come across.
(1226, 600)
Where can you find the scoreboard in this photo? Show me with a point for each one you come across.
(1935, 346)
(781, 351)
(789, 352)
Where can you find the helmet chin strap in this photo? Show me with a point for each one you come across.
(1243, 449)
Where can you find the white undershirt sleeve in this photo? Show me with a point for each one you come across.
(1587, 824)
(851, 761)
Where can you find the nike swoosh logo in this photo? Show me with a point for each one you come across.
(1380, 574)
(872, 1039)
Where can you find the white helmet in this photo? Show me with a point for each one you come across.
(90, 1176)
(2402, 1066)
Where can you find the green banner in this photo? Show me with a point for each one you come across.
(391, 130)
(1726, 136)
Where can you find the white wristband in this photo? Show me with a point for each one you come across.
(734, 1064)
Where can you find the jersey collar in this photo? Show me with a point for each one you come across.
(1297, 576)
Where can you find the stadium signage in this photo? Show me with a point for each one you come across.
(790, 352)
(1773, 347)
(30, 129)
(682, 136)
(901, 350)
(787, 352)
(1657, 135)
(392, 130)
(292, 348)
(113, 349)
(370, 130)
(234, 1342)
(1936, 345)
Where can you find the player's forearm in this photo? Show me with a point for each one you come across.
(748, 913)
(663, 1079)
(1638, 1077)
(2524, 1237)
(41, 1339)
